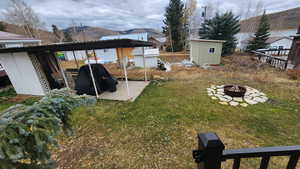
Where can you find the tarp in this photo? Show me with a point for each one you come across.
(103, 80)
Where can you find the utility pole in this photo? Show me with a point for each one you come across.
(205, 12)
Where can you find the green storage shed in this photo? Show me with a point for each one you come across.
(206, 52)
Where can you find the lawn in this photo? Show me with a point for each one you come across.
(159, 129)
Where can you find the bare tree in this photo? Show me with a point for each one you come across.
(21, 14)
(188, 19)
(59, 35)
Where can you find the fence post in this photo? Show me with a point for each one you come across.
(209, 153)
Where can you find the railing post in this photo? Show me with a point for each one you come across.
(209, 153)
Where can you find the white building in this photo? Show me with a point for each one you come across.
(111, 56)
(8, 40)
(282, 25)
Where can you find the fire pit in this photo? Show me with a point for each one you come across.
(235, 90)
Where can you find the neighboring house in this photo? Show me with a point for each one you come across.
(282, 25)
(111, 55)
(274, 42)
(8, 40)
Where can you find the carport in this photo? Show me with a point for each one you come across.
(29, 67)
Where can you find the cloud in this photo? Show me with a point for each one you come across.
(126, 14)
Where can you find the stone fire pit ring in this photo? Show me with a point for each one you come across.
(251, 96)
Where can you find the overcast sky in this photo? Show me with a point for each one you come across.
(127, 14)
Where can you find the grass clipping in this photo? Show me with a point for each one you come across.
(27, 132)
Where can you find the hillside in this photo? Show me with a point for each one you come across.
(89, 33)
(151, 32)
(95, 33)
(288, 19)
(45, 36)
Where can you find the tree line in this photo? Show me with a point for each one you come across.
(222, 26)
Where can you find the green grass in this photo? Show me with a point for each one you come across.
(6, 95)
(159, 129)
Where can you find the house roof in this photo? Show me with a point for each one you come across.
(73, 46)
(284, 20)
(11, 36)
(135, 36)
(207, 40)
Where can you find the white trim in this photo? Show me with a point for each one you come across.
(20, 41)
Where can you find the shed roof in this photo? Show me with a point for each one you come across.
(73, 46)
(12, 36)
(208, 40)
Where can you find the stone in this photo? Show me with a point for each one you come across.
(220, 90)
(233, 103)
(214, 98)
(218, 95)
(209, 89)
(228, 97)
(210, 94)
(224, 99)
(238, 99)
(244, 104)
(223, 103)
(250, 101)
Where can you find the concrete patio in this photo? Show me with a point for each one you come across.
(135, 89)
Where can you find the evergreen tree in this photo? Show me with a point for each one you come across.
(67, 36)
(174, 28)
(261, 36)
(222, 27)
(2, 26)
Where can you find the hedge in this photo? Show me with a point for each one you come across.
(27, 132)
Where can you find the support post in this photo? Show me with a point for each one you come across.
(62, 72)
(95, 56)
(92, 75)
(209, 153)
(125, 73)
(144, 60)
(77, 65)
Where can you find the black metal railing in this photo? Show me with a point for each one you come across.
(277, 62)
(275, 52)
(211, 153)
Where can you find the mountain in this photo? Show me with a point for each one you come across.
(151, 32)
(85, 33)
(95, 33)
(45, 36)
(288, 19)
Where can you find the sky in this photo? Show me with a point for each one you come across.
(128, 14)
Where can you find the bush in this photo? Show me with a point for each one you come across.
(27, 132)
(293, 74)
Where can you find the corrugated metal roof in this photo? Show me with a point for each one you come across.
(74, 46)
(12, 36)
(136, 36)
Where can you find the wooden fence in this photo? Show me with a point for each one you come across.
(211, 153)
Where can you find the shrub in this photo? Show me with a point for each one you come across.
(27, 132)
(293, 74)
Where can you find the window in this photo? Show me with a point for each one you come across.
(211, 50)
(105, 50)
(280, 47)
(2, 46)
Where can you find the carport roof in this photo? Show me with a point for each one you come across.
(73, 46)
